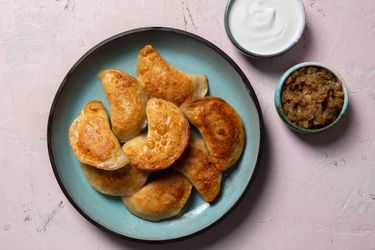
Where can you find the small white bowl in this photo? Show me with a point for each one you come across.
(249, 53)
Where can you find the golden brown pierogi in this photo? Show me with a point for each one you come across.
(220, 126)
(167, 137)
(92, 140)
(163, 81)
(127, 100)
(162, 198)
(197, 165)
(121, 182)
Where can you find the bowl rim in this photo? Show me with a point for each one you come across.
(257, 55)
(279, 88)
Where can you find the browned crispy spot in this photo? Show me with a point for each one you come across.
(121, 182)
(127, 99)
(196, 165)
(92, 139)
(162, 198)
(160, 79)
(167, 137)
(220, 126)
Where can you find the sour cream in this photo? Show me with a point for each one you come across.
(266, 27)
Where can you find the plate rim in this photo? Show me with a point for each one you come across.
(59, 91)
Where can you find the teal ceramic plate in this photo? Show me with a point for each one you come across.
(191, 54)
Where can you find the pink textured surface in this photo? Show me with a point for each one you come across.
(312, 192)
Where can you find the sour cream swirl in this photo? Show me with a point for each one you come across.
(266, 27)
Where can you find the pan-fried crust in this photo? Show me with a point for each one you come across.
(220, 126)
(161, 198)
(196, 165)
(127, 100)
(167, 137)
(92, 140)
(121, 182)
(163, 81)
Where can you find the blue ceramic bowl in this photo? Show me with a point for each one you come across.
(278, 102)
(257, 55)
(191, 54)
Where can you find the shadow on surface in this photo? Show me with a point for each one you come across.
(227, 226)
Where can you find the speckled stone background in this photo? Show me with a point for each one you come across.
(312, 192)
